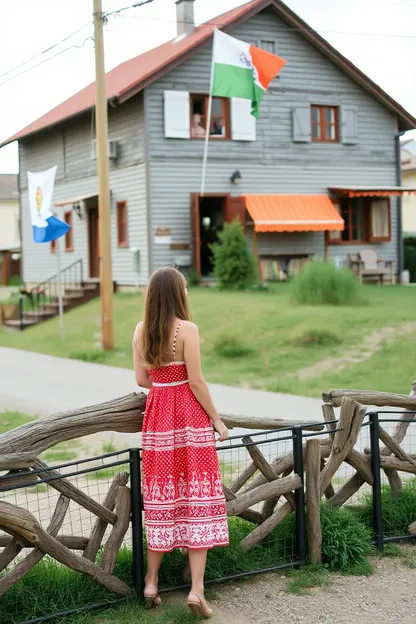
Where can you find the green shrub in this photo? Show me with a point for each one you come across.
(234, 267)
(89, 355)
(323, 283)
(194, 278)
(345, 540)
(231, 347)
(410, 241)
(398, 511)
(410, 261)
(317, 337)
(304, 579)
(15, 280)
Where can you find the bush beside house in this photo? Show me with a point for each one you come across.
(410, 256)
(234, 267)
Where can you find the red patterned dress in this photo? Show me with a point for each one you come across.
(184, 504)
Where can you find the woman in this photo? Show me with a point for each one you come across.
(184, 504)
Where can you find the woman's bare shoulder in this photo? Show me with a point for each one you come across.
(137, 331)
(189, 328)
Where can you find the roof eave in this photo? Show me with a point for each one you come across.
(405, 120)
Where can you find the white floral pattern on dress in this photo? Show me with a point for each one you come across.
(184, 504)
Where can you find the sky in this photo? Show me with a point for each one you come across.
(379, 36)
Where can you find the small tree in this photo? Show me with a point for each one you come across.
(233, 262)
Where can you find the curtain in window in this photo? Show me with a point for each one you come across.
(380, 219)
(335, 235)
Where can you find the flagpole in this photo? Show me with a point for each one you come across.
(59, 285)
(208, 124)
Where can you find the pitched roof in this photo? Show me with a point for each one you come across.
(132, 76)
(8, 187)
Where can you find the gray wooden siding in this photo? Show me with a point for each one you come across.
(171, 208)
(127, 184)
(70, 149)
(273, 163)
(70, 146)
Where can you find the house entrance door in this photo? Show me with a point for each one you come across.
(93, 243)
(208, 214)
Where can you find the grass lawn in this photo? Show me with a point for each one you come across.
(281, 338)
(11, 420)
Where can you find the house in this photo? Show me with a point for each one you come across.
(317, 175)
(408, 155)
(9, 228)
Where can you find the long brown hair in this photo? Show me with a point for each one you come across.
(166, 300)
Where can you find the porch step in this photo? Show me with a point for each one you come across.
(39, 315)
(15, 324)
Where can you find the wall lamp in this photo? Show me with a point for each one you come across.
(236, 177)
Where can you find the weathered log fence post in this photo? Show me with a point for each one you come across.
(313, 499)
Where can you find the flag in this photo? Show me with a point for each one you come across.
(45, 226)
(241, 70)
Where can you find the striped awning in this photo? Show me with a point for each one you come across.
(293, 213)
(370, 191)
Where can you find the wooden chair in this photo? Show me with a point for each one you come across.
(367, 266)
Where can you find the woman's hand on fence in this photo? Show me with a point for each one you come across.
(221, 429)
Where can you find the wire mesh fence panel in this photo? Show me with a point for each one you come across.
(37, 584)
(398, 487)
(240, 476)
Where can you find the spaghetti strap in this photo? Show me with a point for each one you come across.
(175, 339)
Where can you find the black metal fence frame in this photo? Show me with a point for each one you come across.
(296, 434)
(380, 539)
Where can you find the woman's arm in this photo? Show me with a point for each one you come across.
(197, 383)
(142, 377)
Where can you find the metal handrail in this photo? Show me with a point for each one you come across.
(45, 293)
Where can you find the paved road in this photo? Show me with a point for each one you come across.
(41, 384)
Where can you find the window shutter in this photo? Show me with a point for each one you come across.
(349, 125)
(380, 221)
(301, 114)
(335, 236)
(177, 115)
(243, 124)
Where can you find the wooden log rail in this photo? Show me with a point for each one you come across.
(124, 415)
(263, 493)
(362, 463)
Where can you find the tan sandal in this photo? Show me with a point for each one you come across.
(199, 606)
(151, 597)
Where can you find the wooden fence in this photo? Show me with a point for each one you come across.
(264, 493)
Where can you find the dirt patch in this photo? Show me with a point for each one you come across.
(385, 597)
(355, 355)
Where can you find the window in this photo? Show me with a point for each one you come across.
(68, 235)
(380, 224)
(324, 124)
(367, 220)
(220, 117)
(122, 224)
(268, 46)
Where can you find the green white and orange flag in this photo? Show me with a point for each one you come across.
(241, 70)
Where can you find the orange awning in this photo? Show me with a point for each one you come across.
(369, 191)
(293, 213)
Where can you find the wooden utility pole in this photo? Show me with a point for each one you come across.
(104, 214)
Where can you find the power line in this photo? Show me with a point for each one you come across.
(290, 28)
(132, 6)
(25, 71)
(52, 47)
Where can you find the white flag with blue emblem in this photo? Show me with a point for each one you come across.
(46, 227)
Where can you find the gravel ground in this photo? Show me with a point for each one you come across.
(386, 597)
